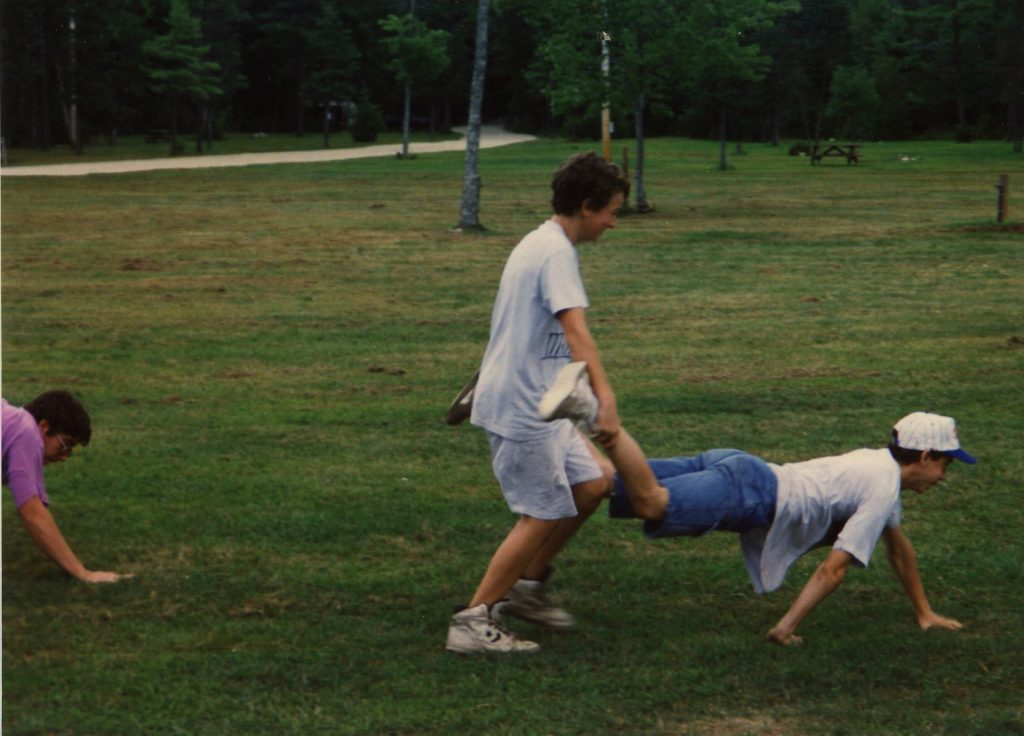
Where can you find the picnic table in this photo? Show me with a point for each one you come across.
(840, 150)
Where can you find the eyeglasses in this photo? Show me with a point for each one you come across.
(65, 449)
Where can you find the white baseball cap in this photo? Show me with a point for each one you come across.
(924, 431)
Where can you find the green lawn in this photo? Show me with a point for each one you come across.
(267, 353)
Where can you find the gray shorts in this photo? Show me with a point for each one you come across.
(537, 475)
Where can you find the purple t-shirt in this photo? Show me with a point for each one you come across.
(23, 455)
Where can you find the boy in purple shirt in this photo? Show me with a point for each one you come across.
(46, 430)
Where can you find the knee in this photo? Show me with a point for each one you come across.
(588, 496)
(607, 473)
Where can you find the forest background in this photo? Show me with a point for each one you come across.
(747, 70)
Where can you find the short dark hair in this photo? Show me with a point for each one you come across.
(64, 413)
(908, 456)
(586, 177)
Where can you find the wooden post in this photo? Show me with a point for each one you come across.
(1003, 187)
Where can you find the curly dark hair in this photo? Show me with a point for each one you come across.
(586, 178)
(907, 456)
(65, 414)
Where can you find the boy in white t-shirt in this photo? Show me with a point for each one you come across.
(783, 511)
(550, 474)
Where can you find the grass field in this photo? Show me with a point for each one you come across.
(267, 353)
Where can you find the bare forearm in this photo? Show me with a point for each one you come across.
(40, 525)
(606, 425)
(818, 588)
(904, 563)
(823, 582)
(584, 349)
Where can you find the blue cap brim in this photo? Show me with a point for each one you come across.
(962, 456)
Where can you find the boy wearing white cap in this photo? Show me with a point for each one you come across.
(783, 511)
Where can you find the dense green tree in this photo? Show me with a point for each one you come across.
(806, 48)
(652, 56)
(658, 46)
(854, 103)
(936, 66)
(178, 67)
(566, 66)
(40, 72)
(1010, 68)
(222, 22)
(590, 53)
(374, 80)
(333, 61)
(511, 48)
(416, 54)
(728, 58)
(110, 93)
(282, 34)
(446, 96)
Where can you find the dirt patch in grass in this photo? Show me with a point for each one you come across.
(139, 264)
(1016, 227)
(739, 726)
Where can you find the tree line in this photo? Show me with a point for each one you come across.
(86, 71)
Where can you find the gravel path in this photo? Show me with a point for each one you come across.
(490, 137)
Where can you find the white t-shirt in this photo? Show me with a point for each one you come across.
(856, 495)
(527, 345)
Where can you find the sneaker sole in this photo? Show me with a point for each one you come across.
(465, 652)
(461, 409)
(565, 383)
(561, 626)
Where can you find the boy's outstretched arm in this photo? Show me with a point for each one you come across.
(823, 582)
(43, 529)
(904, 563)
(583, 347)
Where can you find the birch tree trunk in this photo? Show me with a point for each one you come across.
(723, 160)
(640, 193)
(406, 114)
(407, 107)
(469, 211)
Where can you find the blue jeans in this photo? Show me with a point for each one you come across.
(725, 490)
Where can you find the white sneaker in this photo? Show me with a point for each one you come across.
(528, 600)
(475, 630)
(570, 397)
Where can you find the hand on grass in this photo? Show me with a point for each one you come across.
(99, 576)
(933, 620)
(784, 638)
